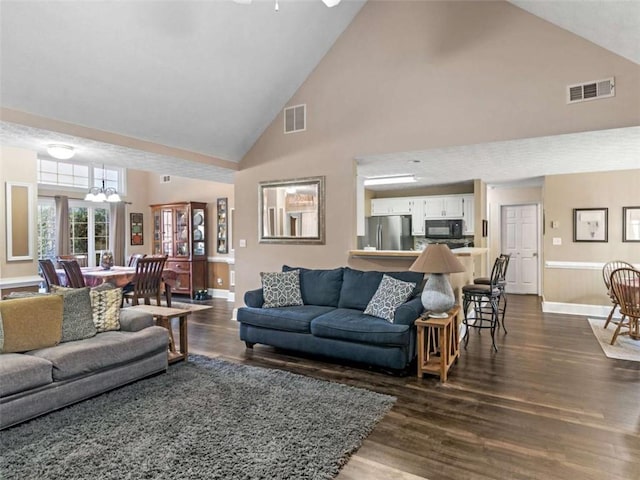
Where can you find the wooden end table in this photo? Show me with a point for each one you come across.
(163, 316)
(442, 345)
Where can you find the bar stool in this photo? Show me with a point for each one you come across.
(485, 316)
(502, 285)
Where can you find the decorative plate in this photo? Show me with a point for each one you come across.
(198, 219)
(197, 235)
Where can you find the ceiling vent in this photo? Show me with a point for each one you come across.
(591, 90)
(165, 178)
(295, 119)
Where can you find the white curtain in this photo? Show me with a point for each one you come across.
(62, 225)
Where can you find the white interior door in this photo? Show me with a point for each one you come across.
(520, 239)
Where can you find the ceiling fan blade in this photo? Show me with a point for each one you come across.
(331, 3)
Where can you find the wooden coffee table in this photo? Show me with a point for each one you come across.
(163, 316)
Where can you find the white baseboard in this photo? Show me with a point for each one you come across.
(583, 310)
(220, 293)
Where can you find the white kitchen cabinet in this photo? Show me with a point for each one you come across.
(390, 206)
(469, 215)
(447, 206)
(417, 216)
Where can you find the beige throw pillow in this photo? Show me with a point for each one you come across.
(31, 323)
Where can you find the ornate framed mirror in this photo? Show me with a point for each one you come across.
(292, 211)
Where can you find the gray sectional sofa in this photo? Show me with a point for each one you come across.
(332, 322)
(46, 379)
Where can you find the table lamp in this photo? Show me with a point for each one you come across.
(437, 296)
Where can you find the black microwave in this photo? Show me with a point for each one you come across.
(443, 229)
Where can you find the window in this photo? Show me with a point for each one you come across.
(110, 175)
(88, 229)
(63, 174)
(78, 176)
(46, 228)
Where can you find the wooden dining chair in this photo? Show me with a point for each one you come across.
(625, 284)
(73, 272)
(48, 271)
(607, 270)
(133, 259)
(80, 258)
(147, 283)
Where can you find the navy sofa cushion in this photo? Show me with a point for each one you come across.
(355, 326)
(319, 287)
(290, 319)
(358, 287)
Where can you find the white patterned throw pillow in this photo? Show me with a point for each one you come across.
(390, 295)
(281, 289)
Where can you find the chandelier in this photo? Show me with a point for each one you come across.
(102, 194)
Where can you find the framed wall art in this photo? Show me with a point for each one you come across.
(590, 225)
(136, 228)
(631, 224)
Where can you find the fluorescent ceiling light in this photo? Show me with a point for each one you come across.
(390, 180)
(61, 152)
(331, 3)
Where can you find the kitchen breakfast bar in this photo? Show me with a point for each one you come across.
(394, 260)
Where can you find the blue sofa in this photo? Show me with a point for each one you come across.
(331, 322)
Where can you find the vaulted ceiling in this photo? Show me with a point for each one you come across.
(202, 78)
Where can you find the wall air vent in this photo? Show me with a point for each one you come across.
(165, 178)
(591, 90)
(295, 119)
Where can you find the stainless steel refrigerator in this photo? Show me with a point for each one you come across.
(387, 233)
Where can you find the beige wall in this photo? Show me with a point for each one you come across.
(418, 75)
(563, 193)
(16, 165)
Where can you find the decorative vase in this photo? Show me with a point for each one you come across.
(437, 296)
(107, 260)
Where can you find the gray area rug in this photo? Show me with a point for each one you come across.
(205, 419)
(625, 348)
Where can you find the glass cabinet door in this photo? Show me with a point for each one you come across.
(157, 232)
(198, 231)
(182, 232)
(167, 232)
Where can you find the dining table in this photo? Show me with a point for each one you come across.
(118, 276)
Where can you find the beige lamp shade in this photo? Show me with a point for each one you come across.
(437, 258)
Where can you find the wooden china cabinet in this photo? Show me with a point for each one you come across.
(180, 232)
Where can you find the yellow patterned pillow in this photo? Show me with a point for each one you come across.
(105, 305)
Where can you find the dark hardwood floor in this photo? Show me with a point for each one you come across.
(547, 405)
